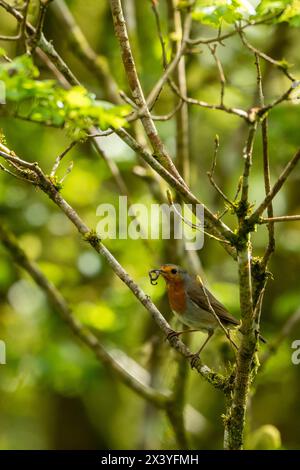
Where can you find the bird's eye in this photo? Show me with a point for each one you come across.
(174, 271)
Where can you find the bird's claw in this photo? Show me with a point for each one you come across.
(172, 334)
(194, 359)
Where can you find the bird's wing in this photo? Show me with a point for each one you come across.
(195, 292)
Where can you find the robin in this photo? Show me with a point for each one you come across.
(193, 304)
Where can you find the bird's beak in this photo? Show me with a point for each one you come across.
(154, 275)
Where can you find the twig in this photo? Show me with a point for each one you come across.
(213, 50)
(276, 188)
(35, 38)
(61, 156)
(264, 56)
(190, 224)
(81, 48)
(155, 92)
(175, 28)
(210, 174)
(221, 38)
(167, 117)
(248, 163)
(136, 89)
(267, 179)
(282, 218)
(217, 107)
(212, 310)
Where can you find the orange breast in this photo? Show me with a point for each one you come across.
(177, 296)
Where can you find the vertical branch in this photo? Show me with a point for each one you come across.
(266, 165)
(82, 49)
(136, 89)
(237, 406)
(182, 118)
(236, 411)
(175, 409)
(247, 165)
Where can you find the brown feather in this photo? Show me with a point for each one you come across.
(195, 291)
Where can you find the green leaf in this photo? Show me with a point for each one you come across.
(75, 109)
(214, 13)
(291, 14)
(267, 7)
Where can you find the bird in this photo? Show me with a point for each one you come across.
(193, 304)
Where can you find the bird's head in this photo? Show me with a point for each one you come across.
(170, 272)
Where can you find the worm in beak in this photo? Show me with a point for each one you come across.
(154, 275)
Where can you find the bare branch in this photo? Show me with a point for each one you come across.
(248, 163)
(136, 89)
(213, 50)
(80, 47)
(276, 188)
(210, 174)
(282, 218)
(264, 56)
(61, 156)
(267, 179)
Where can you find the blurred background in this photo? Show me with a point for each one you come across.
(54, 394)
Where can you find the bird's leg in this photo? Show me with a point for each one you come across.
(195, 356)
(175, 334)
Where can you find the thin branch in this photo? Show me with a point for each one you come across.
(276, 188)
(160, 33)
(156, 90)
(61, 156)
(203, 104)
(6, 170)
(182, 116)
(136, 89)
(210, 174)
(221, 38)
(190, 224)
(81, 48)
(266, 165)
(213, 50)
(212, 310)
(264, 56)
(43, 5)
(167, 117)
(24, 20)
(248, 163)
(282, 218)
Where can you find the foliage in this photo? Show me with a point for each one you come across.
(220, 12)
(43, 101)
